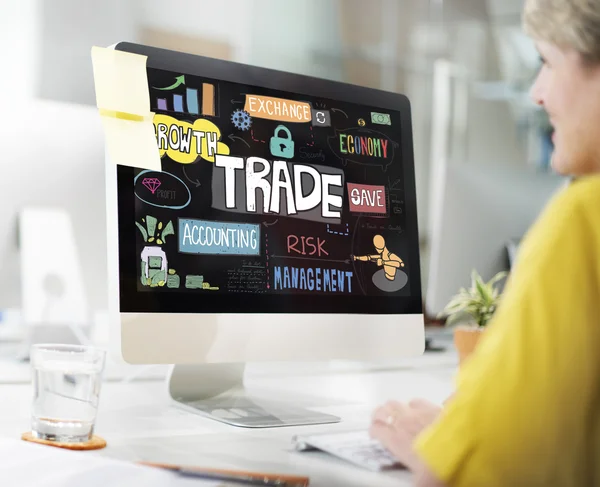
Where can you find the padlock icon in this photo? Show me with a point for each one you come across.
(282, 146)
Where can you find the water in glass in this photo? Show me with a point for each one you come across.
(66, 390)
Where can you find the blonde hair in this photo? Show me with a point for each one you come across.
(571, 24)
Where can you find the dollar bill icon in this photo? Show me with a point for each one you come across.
(381, 118)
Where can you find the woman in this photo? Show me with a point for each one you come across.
(526, 410)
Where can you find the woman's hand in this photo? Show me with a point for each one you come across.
(396, 425)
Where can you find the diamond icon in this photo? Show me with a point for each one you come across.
(151, 183)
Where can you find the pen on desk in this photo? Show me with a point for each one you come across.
(241, 477)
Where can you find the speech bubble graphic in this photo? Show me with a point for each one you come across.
(171, 193)
(185, 142)
(363, 146)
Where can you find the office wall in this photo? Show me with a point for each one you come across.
(268, 33)
(57, 163)
(67, 30)
(492, 136)
(287, 35)
(55, 37)
(223, 23)
(19, 36)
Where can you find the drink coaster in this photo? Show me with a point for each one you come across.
(96, 443)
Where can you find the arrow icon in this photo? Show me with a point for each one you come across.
(234, 101)
(179, 80)
(235, 137)
(270, 224)
(338, 110)
(196, 183)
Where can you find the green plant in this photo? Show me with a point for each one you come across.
(476, 304)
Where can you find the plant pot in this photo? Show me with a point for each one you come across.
(465, 341)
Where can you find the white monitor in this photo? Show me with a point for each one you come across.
(53, 166)
(481, 212)
(288, 234)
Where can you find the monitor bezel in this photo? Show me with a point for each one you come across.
(133, 301)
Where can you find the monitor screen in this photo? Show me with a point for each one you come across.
(269, 200)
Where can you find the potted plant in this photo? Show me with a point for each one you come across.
(473, 309)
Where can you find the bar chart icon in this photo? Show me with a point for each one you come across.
(208, 99)
(191, 95)
(189, 103)
(178, 103)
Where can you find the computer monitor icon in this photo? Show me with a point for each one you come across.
(248, 244)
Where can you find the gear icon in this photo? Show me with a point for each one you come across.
(241, 120)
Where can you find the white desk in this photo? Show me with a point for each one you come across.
(139, 423)
(14, 371)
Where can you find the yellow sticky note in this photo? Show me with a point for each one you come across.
(121, 81)
(132, 143)
(122, 97)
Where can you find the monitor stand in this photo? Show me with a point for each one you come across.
(217, 391)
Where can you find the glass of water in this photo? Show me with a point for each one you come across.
(66, 390)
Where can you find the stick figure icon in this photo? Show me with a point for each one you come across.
(390, 278)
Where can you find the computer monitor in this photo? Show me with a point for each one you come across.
(53, 158)
(282, 226)
(480, 213)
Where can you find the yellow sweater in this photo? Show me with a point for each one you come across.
(526, 412)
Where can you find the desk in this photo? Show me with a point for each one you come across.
(16, 371)
(139, 423)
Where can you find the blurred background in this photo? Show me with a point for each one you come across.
(481, 147)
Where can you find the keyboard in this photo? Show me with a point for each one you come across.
(356, 447)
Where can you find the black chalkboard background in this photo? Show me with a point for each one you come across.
(232, 282)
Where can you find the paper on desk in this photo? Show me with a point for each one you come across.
(25, 464)
(123, 100)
